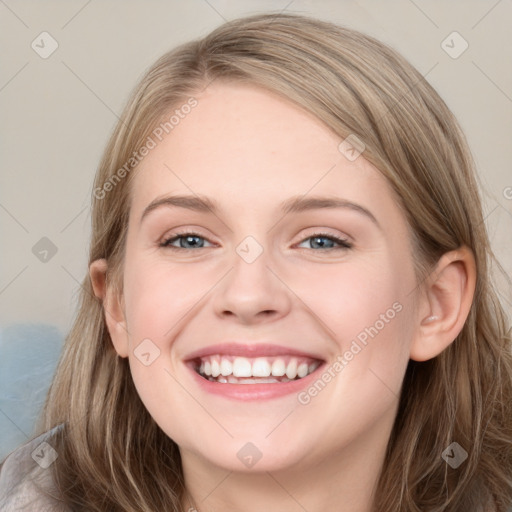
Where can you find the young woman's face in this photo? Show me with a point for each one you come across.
(301, 340)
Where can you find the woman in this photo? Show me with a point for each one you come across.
(288, 303)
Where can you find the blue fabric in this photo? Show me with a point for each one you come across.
(28, 358)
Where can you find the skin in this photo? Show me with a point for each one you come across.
(251, 150)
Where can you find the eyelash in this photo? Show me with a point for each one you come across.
(344, 244)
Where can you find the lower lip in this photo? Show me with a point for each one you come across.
(247, 392)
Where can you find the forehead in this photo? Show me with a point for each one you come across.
(247, 146)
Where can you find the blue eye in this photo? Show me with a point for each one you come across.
(183, 239)
(190, 241)
(316, 241)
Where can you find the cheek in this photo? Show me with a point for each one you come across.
(366, 313)
(371, 311)
(160, 296)
(350, 298)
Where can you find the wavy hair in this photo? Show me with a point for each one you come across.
(355, 85)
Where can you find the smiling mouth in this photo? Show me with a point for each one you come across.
(225, 369)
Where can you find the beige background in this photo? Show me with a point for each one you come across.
(57, 113)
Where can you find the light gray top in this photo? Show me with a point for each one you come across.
(26, 477)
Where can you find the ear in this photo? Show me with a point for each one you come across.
(445, 304)
(112, 305)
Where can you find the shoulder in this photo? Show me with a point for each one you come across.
(26, 482)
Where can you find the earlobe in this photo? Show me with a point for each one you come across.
(114, 313)
(445, 305)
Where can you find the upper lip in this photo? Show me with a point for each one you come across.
(250, 350)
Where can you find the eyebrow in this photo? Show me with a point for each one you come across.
(295, 204)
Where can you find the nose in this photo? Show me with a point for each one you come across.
(253, 292)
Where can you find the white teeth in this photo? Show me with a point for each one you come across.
(245, 380)
(229, 369)
(302, 370)
(215, 367)
(313, 366)
(278, 368)
(248, 381)
(226, 368)
(260, 368)
(242, 367)
(291, 369)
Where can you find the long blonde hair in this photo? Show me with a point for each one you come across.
(113, 456)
